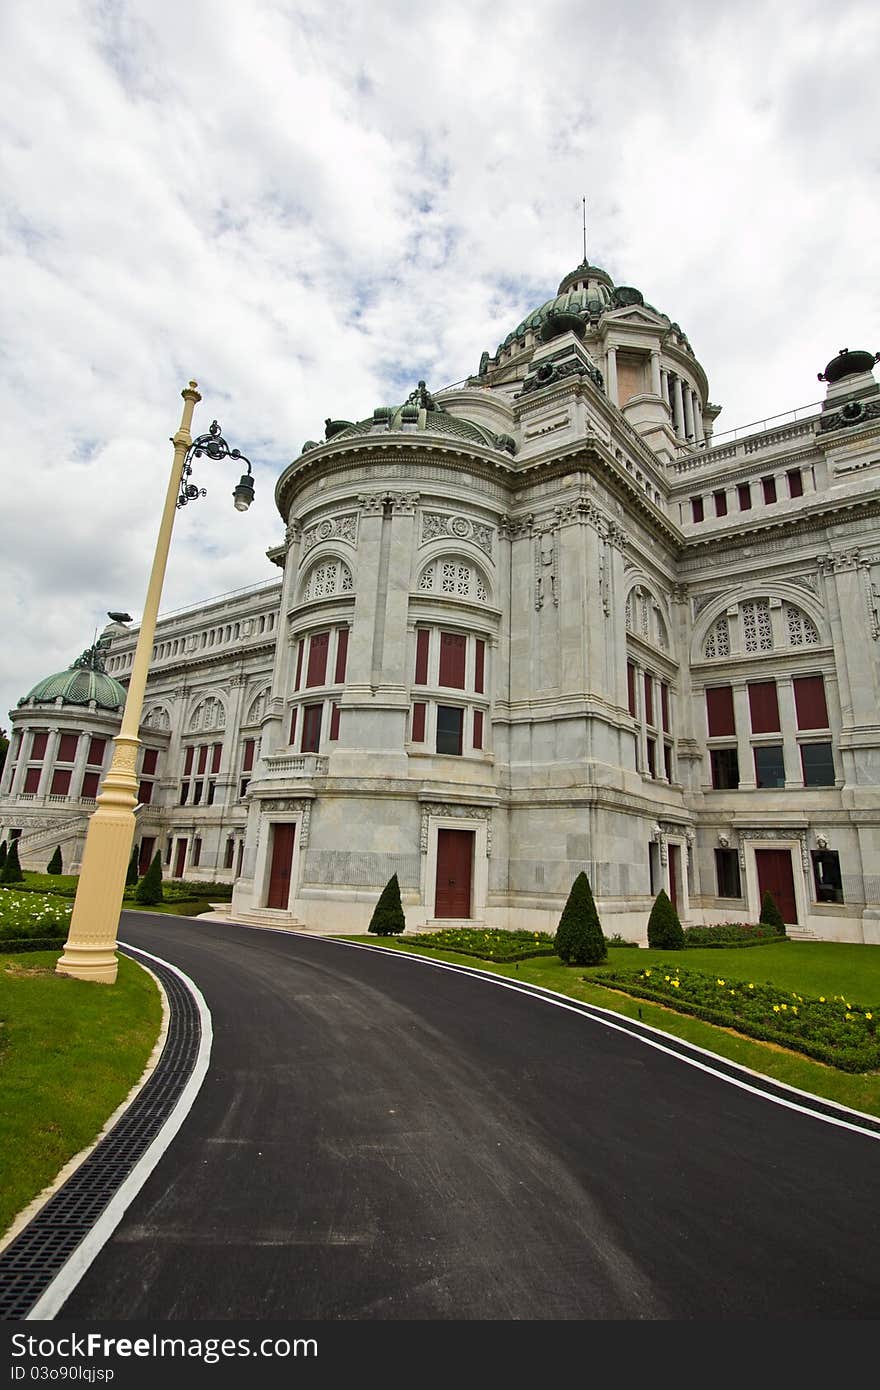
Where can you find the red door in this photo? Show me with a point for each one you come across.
(180, 859)
(282, 858)
(674, 853)
(775, 876)
(455, 858)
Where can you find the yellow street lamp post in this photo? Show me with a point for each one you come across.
(90, 950)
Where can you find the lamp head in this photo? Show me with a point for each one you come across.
(243, 495)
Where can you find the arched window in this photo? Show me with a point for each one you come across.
(157, 718)
(756, 626)
(328, 577)
(210, 714)
(801, 629)
(453, 578)
(257, 707)
(718, 639)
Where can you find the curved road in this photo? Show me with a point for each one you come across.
(379, 1139)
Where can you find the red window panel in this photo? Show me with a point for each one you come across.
(216, 755)
(188, 761)
(744, 494)
(60, 782)
(334, 721)
(719, 711)
(38, 747)
(247, 761)
(145, 793)
(300, 646)
(769, 486)
(67, 746)
(453, 647)
(652, 757)
(319, 646)
(423, 638)
(96, 752)
(720, 503)
(697, 508)
(32, 779)
(341, 655)
(764, 707)
(631, 687)
(89, 784)
(151, 756)
(311, 737)
(795, 483)
(664, 705)
(478, 728)
(292, 735)
(479, 666)
(649, 698)
(203, 757)
(418, 722)
(809, 700)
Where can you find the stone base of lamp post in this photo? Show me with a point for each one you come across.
(90, 951)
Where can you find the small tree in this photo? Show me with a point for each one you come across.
(3, 853)
(770, 914)
(131, 876)
(665, 932)
(579, 938)
(149, 890)
(55, 864)
(11, 871)
(388, 918)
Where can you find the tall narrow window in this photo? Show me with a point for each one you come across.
(31, 781)
(300, 648)
(769, 765)
(809, 701)
(247, 761)
(763, 707)
(479, 665)
(664, 706)
(727, 873)
(96, 752)
(292, 735)
(334, 721)
(649, 698)
(696, 509)
(418, 722)
(216, 754)
(450, 723)
(423, 638)
(67, 745)
(341, 655)
(151, 756)
(720, 503)
(188, 760)
(203, 758)
(38, 747)
(453, 646)
(769, 486)
(478, 728)
(317, 668)
(724, 763)
(744, 496)
(311, 737)
(60, 782)
(631, 687)
(795, 482)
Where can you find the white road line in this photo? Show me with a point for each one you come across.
(74, 1268)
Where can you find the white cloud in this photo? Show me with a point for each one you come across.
(307, 208)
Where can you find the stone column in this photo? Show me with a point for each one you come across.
(274, 734)
(743, 725)
(227, 778)
(698, 418)
(27, 740)
(611, 374)
(687, 400)
(656, 385)
(678, 407)
(788, 725)
(641, 714)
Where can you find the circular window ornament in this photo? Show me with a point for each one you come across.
(325, 530)
(853, 411)
(460, 527)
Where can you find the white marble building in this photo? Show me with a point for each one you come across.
(537, 624)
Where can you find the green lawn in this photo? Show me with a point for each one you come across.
(811, 967)
(70, 1051)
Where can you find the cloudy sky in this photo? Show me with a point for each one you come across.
(308, 207)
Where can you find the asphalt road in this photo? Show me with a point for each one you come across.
(377, 1139)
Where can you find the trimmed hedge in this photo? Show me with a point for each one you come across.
(724, 934)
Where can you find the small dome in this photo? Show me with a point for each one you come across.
(419, 414)
(848, 363)
(84, 680)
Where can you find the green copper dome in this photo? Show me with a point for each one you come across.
(420, 413)
(84, 680)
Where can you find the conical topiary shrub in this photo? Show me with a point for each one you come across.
(388, 918)
(770, 914)
(11, 871)
(55, 864)
(131, 875)
(3, 853)
(149, 890)
(579, 938)
(665, 932)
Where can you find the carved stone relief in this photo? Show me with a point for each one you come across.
(436, 524)
(453, 811)
(343, 528)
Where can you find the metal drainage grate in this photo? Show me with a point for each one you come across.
(30, 1263)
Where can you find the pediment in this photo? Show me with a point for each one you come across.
(637, 316)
